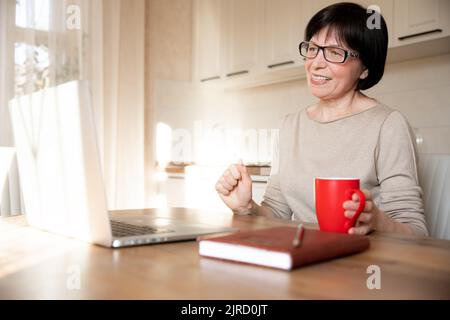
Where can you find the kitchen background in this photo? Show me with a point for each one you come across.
(183, 88)
(192, 43)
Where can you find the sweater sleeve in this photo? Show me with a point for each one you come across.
(396, 166)
(273, 197)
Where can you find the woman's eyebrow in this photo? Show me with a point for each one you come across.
(328, 45)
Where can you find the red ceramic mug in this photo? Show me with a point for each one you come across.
(330, 195)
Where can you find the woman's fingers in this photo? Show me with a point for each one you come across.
(234, 172)
(229, 178)
(225, 183)
(367, 194)
(362, 230)
(364, 224)
(349, 213)
(221, 189)
(365, 218)
(353, 206)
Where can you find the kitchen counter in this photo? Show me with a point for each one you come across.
(258, 173)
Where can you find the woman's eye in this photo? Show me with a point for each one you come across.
(337, 53)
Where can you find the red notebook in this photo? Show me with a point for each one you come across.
(273, 247)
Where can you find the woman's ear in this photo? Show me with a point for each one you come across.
(364, 74)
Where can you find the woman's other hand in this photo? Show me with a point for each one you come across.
(235, 188)
(368, 219)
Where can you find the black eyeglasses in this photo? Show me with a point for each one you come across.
(332, 54)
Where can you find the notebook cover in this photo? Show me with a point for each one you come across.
(316, 245)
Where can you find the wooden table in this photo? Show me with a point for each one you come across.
(39, 265)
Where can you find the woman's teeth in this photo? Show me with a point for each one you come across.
(320, 78)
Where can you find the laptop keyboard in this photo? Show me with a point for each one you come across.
(122, 229)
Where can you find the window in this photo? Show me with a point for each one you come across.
(33, 14)
(45, 53)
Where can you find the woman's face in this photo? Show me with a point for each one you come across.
(328, 80)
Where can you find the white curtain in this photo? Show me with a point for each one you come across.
(48, 42)
(10, 197)
(123, 94)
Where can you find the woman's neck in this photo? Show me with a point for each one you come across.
(333, 109)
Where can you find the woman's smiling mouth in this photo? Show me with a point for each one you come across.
(319, 79)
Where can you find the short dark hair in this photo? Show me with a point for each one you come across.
(349, 21)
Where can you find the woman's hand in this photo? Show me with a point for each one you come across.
(368, 220)
(235, 188)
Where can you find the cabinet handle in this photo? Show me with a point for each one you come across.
(209, 79)
(419, 34)
(236, 73)
(280, 64)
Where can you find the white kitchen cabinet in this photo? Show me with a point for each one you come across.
(283, 31)
(312, 7)
(420, 20)
(208, 40)
(242, 38)
(246, 43)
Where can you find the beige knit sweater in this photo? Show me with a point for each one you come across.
(376, 145)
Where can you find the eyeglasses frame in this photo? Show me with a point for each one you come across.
(348, 53)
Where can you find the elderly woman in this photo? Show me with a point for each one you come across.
(345, 133)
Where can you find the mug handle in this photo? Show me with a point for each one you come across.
(362, 202)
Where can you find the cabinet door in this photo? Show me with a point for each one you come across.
(242, 22)
(312, 7)
(420, 20)
(282, 33)
(207, 43)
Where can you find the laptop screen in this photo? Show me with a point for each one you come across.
(59, 163)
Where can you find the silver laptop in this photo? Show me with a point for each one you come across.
(61, 176)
